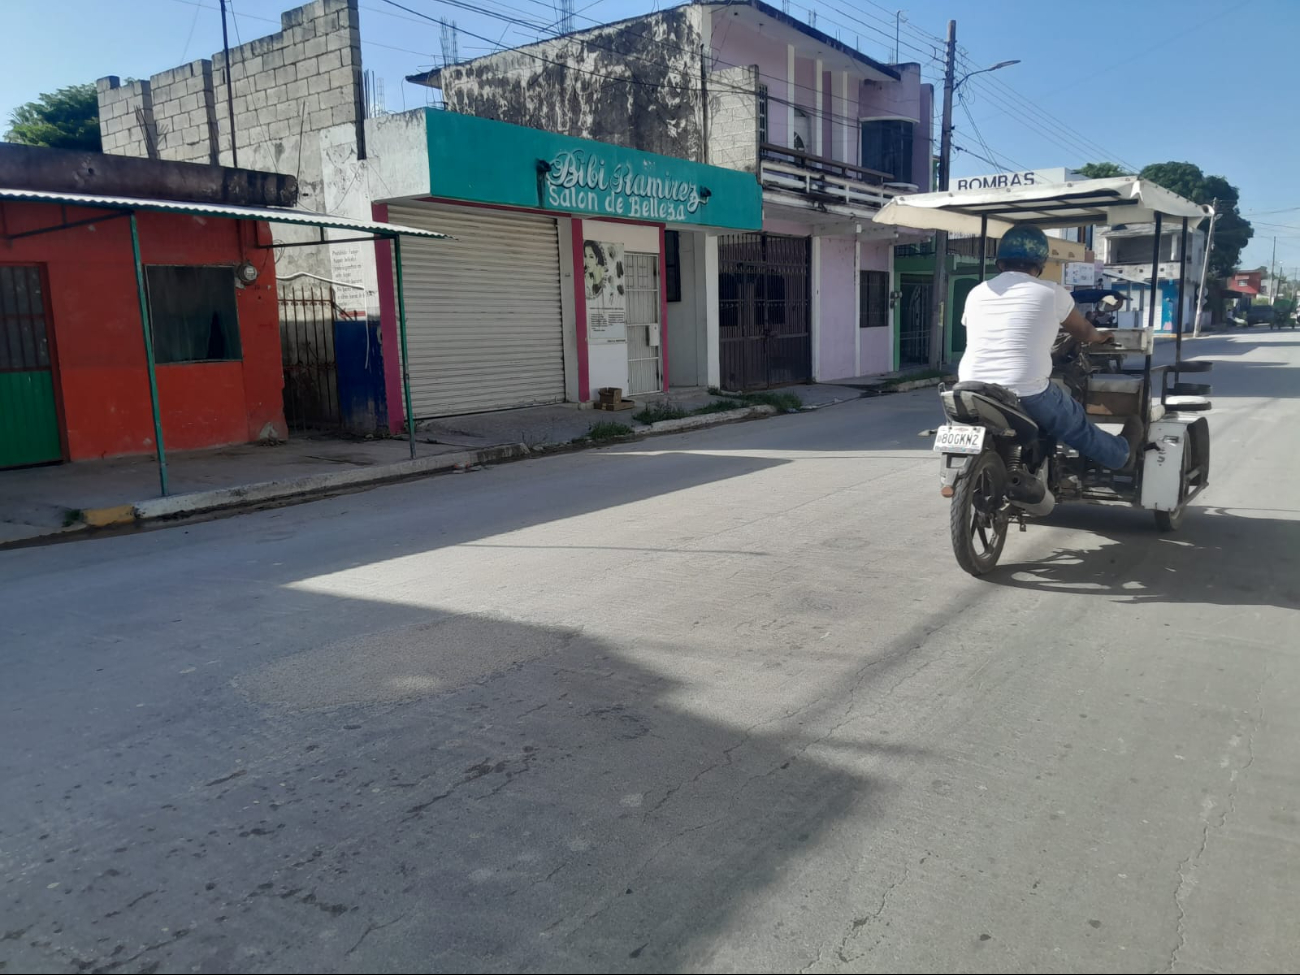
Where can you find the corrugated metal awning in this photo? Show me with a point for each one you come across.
(1074, 204)
(308, 218)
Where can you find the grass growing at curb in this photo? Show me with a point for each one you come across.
(783, 402)
(717, 406)
(662, 411)
(605, 430)
(912, 377)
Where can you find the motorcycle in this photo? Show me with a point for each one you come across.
(996, 465)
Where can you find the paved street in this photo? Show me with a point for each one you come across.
(720, 702)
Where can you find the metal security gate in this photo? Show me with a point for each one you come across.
(311, 381)
(485, 330)
(764, 310)
(29, 417)
(914, 322)
(643, 326)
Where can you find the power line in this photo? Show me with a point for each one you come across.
(1008, 97)
(980, 136)
(235, 18)
(190, 36)
(991, 162)
(1062, 138)
(1042, 114)
(270, 20)
(1267, 212)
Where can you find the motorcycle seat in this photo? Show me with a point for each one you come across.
(992, 406)
(991, 390)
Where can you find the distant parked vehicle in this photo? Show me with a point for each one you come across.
(1260, 315)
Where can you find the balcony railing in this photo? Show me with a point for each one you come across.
(827, 181)
(958, 246)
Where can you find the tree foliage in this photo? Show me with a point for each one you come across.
(1232, 231)
(1103, 170)
(64, 119)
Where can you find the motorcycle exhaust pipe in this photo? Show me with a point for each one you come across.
(1039, 508)
(1022, 486)
(1029, 493)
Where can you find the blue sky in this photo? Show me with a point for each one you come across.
(1208, 81)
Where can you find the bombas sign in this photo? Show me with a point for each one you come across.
(582, 180)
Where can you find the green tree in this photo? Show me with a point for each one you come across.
(1103, 170)
(65, 119)
(1232, 231)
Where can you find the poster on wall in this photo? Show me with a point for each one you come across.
(603, 273)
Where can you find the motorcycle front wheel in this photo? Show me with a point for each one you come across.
(978, 520)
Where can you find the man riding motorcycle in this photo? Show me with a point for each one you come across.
(1011, 323)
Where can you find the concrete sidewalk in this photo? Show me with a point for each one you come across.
(41, 502)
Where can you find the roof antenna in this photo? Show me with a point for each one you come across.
(450, 54)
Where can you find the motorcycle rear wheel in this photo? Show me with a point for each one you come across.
(978, 521)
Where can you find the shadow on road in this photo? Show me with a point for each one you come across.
(1228, 557)
(561, 814)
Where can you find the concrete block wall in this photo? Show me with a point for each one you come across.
(184, 113)
(733, 118)
(288, 88)
(126, 122)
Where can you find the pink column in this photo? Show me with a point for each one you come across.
(388, 336)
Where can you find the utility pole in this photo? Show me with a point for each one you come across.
(1272, 275)
(938, 305)
(1205, 265)
(230, 88)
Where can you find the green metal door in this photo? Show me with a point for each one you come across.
(961, 289)
(29, 420)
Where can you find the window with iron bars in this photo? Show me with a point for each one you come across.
(762, 114)
(873, 294)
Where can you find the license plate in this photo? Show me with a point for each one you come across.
(955, 439)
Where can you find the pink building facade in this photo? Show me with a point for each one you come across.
(835, 135)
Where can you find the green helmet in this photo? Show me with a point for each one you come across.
(1024, 244)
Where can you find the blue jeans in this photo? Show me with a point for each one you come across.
(1059, 415)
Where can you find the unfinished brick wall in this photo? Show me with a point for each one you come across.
(184, 113)
(288, 87)
(126, 123)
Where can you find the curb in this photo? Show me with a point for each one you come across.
(179, 506)
(201, 502)
(708, 419)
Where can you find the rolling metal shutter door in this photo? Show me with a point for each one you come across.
(484, 327)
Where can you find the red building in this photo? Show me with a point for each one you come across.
(74, 374)
(1248, 283)
(138, 304)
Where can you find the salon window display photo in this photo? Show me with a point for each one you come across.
(606, 289)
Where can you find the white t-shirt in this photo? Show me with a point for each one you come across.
(1011, 322)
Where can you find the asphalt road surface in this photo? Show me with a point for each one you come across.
(719, 702)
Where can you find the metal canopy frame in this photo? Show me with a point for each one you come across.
(129, 207)
(1073, 204)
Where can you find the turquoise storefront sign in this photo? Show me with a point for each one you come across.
(485, 161)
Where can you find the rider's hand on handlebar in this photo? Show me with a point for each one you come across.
(1101, 336)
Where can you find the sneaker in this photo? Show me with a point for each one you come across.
(1132, 433)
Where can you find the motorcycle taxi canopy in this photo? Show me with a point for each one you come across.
(1074, 204)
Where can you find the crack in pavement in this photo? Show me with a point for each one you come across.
(1187, 866)
(373, 927)
(861, 922)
